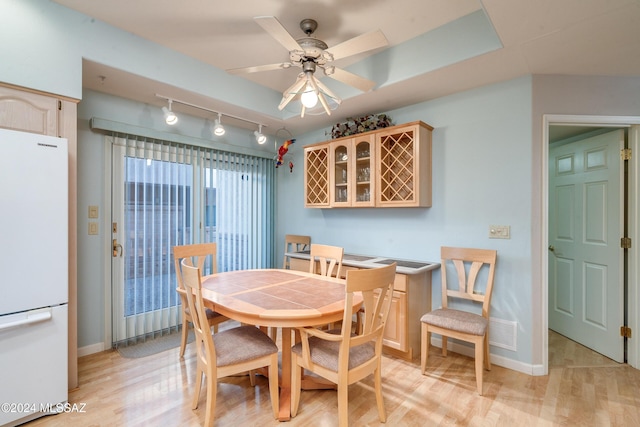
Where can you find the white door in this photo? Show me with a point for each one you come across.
(585, 256)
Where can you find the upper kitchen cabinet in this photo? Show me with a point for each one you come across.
(389, 167)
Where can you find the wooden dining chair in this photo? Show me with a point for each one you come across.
(340, 356)
(294, 243)
(229, 352)
(196, 256)
(326, 260)
(475, 270)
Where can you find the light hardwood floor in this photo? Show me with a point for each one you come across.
(582, 389)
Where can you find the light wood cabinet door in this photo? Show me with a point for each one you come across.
(316, 176)
(28, 112)
(403, 177)
(340, 174)
(395, 331)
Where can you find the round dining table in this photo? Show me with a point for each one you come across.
(284, 299)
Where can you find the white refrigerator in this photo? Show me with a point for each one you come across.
(33, 276)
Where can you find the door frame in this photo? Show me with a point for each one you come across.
(633, 348)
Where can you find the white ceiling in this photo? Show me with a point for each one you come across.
(576, 37)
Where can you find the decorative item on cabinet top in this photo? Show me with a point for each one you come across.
(384, 168)
(354, 126)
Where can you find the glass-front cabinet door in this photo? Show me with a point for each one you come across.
(341, 174)
(363, 168)
(352, 184)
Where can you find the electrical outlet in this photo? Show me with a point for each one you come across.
(499, 232)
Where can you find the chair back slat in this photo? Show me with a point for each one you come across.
(468, 265)
(329, 259)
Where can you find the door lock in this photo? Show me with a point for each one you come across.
(117, 248)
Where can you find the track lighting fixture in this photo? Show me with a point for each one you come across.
(169, 116)
(260, 137)
(218, 129)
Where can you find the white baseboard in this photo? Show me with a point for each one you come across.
(505, 362)
(90, 349)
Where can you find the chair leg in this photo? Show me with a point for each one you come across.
(196, 393)
(296, 384)
(479, 364)
(273, 385)
(343, 404)
(185, 333)
(382, 414)
(212, 391)
(444, 346)
(424, 347)
(487, 358)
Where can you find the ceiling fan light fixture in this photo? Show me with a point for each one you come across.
(169, 116)
(218, 129)
(309, 97)
(260, 137)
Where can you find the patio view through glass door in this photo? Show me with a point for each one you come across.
(165, 195)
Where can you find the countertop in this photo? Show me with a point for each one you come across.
(404, 266)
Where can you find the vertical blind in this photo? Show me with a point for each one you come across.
(177, 194)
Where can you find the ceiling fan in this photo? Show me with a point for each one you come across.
(310, 53)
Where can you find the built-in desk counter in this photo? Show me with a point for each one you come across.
(411, 297)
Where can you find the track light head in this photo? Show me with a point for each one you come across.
(260, 137)
(218, 129)
(169, 116)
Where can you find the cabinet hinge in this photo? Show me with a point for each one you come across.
(625, 331)
(625, 243)
(625, 154)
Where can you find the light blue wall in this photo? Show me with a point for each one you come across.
(481, 176)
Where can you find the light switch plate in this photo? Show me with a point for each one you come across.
(93, 228)
(93, 211)
(499, 232)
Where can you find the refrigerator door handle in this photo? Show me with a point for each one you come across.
(41, 316)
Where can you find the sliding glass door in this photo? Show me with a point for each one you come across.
(166, 195)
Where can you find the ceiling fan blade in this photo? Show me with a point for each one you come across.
(362, 43)
(351, 79)
(290, 93)
(259, 68)
(272, 26)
